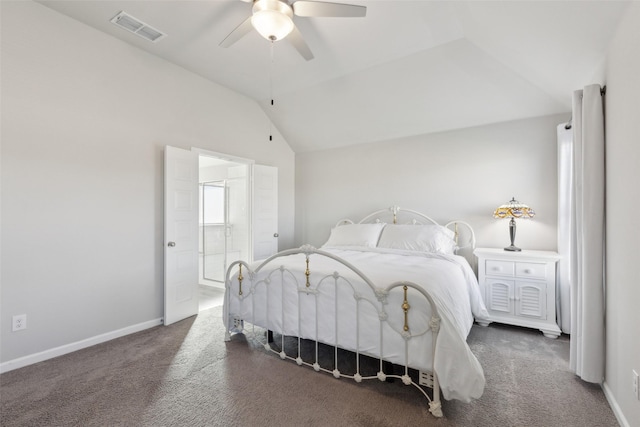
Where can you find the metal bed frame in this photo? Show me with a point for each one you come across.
(242, 283)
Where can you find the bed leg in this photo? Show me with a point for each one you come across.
(388, 369)
(435, 406)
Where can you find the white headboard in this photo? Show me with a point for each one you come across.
(464, 235)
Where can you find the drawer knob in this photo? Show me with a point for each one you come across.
(527, 270)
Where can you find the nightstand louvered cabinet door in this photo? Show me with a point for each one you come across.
(519, 288)
(530, 300)
(499, 296)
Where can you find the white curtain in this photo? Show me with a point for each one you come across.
(566, 226)
(587, 351)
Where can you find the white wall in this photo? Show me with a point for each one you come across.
(85, 118)
(463, 174)
(622, 108)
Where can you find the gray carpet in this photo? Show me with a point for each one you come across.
(186, 375)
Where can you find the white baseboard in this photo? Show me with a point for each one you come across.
(614, 406)
(78, 345)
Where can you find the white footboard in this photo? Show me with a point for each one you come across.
(340, 308)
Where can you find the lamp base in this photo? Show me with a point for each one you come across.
(512, 235)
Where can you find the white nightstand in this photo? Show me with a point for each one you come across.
(519, 288)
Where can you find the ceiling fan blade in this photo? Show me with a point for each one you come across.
(296, 39)
(324, 9)
(235, 35)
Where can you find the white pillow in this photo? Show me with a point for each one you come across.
(355, 235)
(423, 238)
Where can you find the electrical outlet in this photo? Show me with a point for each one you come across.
(19, 322)
(636, 386)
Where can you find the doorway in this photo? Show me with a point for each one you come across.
(250, 226)
(214, 229)
(223, 223)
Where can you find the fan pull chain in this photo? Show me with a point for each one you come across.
(271, 91)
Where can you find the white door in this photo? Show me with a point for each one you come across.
(265, 211)
(180, 234)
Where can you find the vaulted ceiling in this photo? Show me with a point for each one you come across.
(407, 68)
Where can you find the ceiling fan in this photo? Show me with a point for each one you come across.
(273, 19)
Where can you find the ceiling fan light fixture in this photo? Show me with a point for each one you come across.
(272, 19)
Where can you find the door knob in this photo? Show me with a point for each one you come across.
(171, 244)
(275, 234)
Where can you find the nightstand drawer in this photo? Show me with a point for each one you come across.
(500, 268)
(531, 269)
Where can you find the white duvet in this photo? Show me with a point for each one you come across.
(447, 278)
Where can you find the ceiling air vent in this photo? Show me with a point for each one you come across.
(131, 24)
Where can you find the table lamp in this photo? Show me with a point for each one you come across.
(514, 209)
